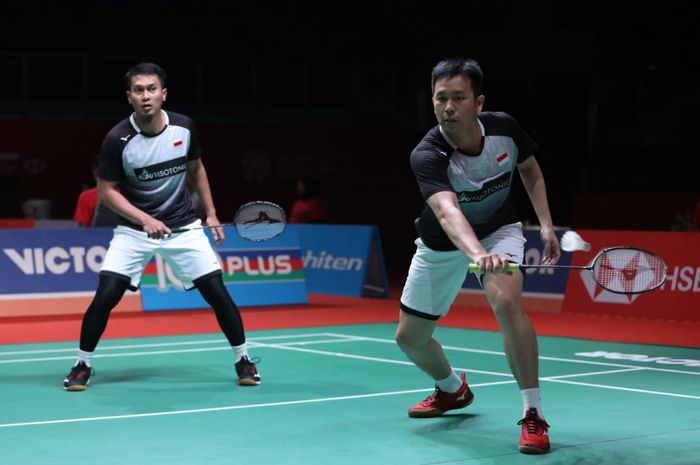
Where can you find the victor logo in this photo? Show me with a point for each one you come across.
(57, 260)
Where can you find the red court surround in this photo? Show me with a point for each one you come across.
(325, 310)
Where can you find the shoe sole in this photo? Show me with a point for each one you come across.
(435, 412)
(248, 382)
(425, 413)
(76, 387)
(532, 450)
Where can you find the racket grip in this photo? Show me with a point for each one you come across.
(474, 268)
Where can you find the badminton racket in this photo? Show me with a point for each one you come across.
(254, 221)
(621, 270)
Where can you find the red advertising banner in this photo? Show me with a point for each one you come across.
(677, 299)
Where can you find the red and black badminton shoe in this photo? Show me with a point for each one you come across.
(247, 372)
(440, 401)
(534, 438)
(78, 378)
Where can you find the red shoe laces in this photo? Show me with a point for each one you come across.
(434, 396)
(533, 423)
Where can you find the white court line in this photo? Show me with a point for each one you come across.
(541, 357)
(341, 338)
(289, 346)
(233, 407)
(558, 378)
(619, 388)
(171, 344)
(168, 352)
(372, 359)
(592, 373)
(318, 400)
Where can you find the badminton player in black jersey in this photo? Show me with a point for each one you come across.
(465, 167)
(145, 163)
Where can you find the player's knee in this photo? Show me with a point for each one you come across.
(507, 307)
(109, 292)
(408, 342)
(402, 339)
(106, 300)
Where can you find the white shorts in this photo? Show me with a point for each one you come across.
(189, 254)
(435, 278)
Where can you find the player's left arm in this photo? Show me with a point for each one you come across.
(197, 176)
(533, 180)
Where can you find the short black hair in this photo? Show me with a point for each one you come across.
(144, 68)
(465, 67)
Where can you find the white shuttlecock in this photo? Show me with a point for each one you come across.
(572, 242)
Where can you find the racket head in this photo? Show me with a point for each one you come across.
(260, 220)
(628, 270)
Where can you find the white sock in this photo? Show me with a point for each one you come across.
(531, 399)
(84, 357)
(450, 384)
(241, 351)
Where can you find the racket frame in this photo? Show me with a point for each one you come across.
(236, 223)
(474, 268)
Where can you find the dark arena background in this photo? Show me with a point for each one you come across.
(340, 92)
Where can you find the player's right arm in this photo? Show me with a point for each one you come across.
(110, 173)
(109, 194)
(429, 164)
(446, 208)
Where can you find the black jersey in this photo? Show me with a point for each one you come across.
(482, 182)
(151, 169)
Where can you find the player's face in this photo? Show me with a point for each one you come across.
(454, 102)
(146, 94)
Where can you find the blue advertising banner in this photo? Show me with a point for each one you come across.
(63, 263)
(51, 260)
(343, 260)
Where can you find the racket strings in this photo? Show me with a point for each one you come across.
(258, 221)
(629, 271)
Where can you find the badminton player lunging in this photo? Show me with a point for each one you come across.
(144, 164)
(465, 167)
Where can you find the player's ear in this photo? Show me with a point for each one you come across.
(165, 93)
(128, 96)
(480, 102)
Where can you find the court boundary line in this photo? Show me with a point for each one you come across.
(341, 338)
(235, 407)
(293, 346)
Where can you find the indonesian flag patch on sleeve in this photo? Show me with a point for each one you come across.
(177, 143)
(502, 159)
